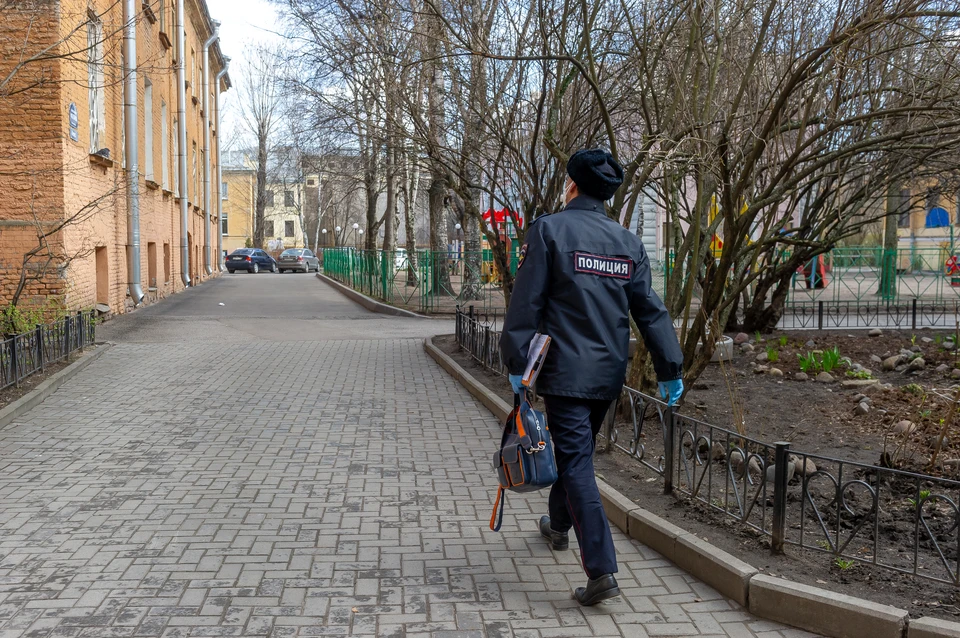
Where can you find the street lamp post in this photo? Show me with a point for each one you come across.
(336, 236)
(356, 240)
(323, 249)
(459, 240)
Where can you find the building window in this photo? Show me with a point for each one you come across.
(162, 15)
(176, 154)
(310, 182)
(193, 72)
(148, 128)
(224, 226)
(224, 191)
(166, 263)
(151, 264)
(904, 220)
(97, 105)
(164, 148)
(288, 228)
(193, 174)
(269, 195)
(268, 228)
(288, 199)
(123, 133)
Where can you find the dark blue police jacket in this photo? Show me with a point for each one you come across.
(580, 275)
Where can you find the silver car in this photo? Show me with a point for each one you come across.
(298, 259)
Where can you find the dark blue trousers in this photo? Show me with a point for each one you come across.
(574, 498)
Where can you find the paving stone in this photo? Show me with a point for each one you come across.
(300, 486)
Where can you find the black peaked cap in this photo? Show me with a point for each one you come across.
(595, 172)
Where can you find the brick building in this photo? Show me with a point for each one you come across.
(108, 172)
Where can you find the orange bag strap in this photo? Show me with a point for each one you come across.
(496, 519)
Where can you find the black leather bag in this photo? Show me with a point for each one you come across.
(525, 461)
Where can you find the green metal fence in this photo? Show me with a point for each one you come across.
(436, 282)
(862, 273)
(426, 281)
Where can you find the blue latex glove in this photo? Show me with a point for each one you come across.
(671, 390)
(516, 382)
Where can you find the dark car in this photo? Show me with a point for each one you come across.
(298, 259)
(250, 259)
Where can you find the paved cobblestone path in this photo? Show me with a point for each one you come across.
(285, 465)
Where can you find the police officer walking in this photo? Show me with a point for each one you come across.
(580, 275)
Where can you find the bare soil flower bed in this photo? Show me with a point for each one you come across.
(823, 418)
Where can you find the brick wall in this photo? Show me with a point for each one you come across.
(93, 193)
(31, 184)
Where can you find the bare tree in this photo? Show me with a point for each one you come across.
(259, 103)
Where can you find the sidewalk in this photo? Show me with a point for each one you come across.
(293, 488)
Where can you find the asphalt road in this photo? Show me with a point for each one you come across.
(262, 307)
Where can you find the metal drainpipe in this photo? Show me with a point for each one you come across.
(216, 103)
(182, 143)
(131, 149)
(205, 72)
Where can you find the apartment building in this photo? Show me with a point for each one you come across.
(109, 183)
(238, 197)
(283, 217)
(285, 200)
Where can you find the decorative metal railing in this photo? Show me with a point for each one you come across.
(30, 352)
(868, 514)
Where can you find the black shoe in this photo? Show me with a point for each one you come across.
(558, 540)
(597, 590)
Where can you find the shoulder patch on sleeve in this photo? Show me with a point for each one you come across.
(523, 254)
(616, 267)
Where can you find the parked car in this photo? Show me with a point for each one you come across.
(298, 259)
(250, 259)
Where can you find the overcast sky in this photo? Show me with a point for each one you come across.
(242, 23)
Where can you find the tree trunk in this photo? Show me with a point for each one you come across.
(763, 316)
(409, 220)
(440, 274)
(472, 286)
(888, 264)
(260, 211)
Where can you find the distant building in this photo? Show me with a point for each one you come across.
(283, 215)
(237, 196)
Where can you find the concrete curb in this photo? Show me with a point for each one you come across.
(933, 628)
(370, 304)
(724, 572)
(47, 387)
(810, 608)
(500, 408)
(822, 611)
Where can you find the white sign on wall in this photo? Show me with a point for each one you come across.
(74, 121)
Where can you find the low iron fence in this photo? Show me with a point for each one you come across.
(858, 513)
(477, 334)
(907, 314)
(30, 352)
